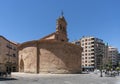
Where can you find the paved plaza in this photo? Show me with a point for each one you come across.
(25, 78)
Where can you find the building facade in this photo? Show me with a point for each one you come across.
(93, 52)
(118, 60)
(51, 54)
(8, 55)
(113, 55)
(106, 57)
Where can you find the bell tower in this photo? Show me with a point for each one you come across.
(61, 29)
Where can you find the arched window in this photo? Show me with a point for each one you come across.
(60, 27)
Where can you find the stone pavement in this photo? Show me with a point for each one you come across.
(26, 78)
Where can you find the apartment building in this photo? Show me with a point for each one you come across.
(118, 59)
(8, 55)
(113, 55)
(93, 52)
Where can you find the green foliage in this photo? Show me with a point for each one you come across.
(118, 68)
(108, 66)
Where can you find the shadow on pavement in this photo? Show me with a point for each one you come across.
(7, 79)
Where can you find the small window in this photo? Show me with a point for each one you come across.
(14, 48)
(60, 27)
(14, 55)
(62, 40)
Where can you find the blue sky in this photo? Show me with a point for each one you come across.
(24, 20)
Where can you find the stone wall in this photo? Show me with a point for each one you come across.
(27, 59)
(59, 57)
(52, 57)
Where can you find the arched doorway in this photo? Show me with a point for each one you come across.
(21, 65)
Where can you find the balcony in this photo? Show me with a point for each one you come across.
(92, 60)
(92, 38)
(92, 49)
(92, 57)
(92, 54)
(92, 42)
(8, 54)
(9, 46)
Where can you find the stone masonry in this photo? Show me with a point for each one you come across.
(51, 54)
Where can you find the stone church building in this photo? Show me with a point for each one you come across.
(51, 54)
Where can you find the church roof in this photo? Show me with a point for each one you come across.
(48, 35)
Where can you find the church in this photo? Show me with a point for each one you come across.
(50, 54)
